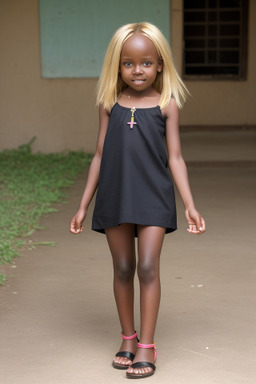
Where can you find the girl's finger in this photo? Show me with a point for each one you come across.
(76, 228)
(202, 226)
(192, 228)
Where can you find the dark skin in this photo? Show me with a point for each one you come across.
(139, 66)
(121, 243)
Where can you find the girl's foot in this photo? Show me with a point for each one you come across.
(143, 363)
(126, 354)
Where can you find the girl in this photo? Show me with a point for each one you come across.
(139, 95)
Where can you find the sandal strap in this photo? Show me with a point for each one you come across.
(128, 355)
(129, 337)
(143, 364)
(146, 346)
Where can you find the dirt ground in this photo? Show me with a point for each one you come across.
(58, 321)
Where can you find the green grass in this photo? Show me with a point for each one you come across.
(30, 184)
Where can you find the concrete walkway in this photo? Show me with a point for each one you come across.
(58, 321)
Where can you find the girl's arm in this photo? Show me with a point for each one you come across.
(76, 224)
(179, 170)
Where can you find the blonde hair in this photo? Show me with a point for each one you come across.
(168, 83)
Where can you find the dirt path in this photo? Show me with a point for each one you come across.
(58, 322)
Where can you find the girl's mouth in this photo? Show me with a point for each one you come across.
(138, 81)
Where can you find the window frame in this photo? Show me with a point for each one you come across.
(243, 48)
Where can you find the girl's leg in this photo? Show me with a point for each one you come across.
(150, 241)
(122, 246)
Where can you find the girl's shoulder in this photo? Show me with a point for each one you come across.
(171, 109)
(103, 111)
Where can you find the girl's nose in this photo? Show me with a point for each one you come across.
(137, 69)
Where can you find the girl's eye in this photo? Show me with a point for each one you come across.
(147, 63)
(127, 64)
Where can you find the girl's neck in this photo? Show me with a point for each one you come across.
(146, 99)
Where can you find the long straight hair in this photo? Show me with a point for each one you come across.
(168, 83)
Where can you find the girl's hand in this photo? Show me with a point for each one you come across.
(196, 223)
(76, 223)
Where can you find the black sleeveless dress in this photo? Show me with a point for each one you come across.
(135, 185)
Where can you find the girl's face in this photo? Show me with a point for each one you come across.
(139, 62)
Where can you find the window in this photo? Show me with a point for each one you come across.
(215, 39)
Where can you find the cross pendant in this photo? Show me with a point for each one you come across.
(132, 122)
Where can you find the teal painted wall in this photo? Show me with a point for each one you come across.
(75, 33)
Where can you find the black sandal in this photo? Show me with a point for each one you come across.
(128, 355)
(143, 364)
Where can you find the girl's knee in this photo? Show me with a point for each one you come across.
(124, 270)
(147, 271)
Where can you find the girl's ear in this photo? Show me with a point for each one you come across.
(160, 65)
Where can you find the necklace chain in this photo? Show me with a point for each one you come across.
(143, 97)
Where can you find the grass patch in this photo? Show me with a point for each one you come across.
(29, 186)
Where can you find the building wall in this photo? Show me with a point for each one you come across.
(62, 113)
(218, 102)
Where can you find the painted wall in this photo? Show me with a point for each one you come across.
(73, 44)
(61, 112)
